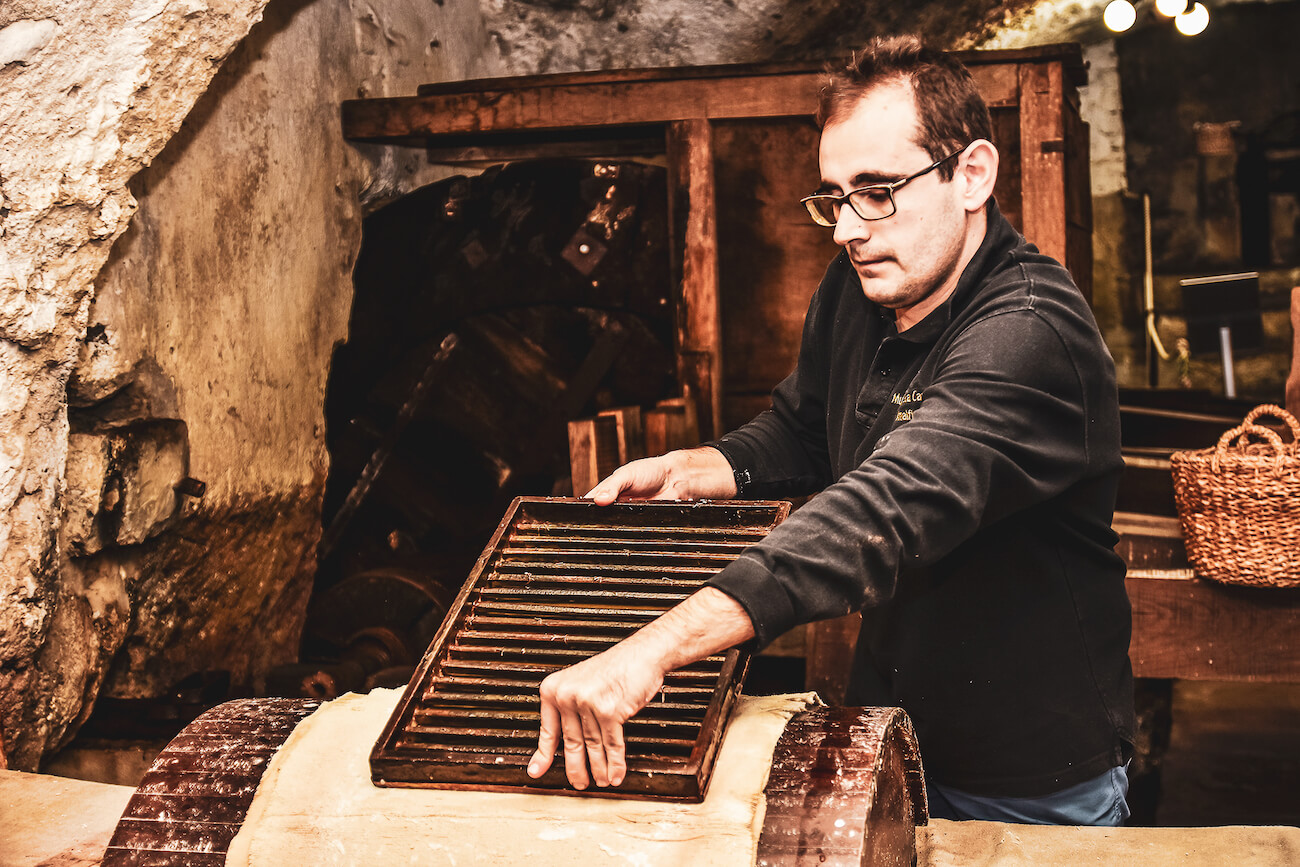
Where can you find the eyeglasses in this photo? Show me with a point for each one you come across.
(874, 202)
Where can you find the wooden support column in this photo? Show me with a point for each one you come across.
(1042, 155)
(692, 212)
(1293, 380)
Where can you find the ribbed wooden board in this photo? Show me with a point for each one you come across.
(561, 580)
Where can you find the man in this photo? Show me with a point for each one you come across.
(954, 402)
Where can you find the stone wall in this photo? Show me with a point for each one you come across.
(565, 35)
(201, 352)
(89, 93)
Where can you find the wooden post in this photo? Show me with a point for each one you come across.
(692, 213)
(1042, 155)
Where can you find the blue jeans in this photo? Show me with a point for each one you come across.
(1099, 801)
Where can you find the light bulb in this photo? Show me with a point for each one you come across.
(1193, 21)
(1119, 15)
(1170, 8)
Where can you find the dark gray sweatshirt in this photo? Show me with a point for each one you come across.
(967, 471)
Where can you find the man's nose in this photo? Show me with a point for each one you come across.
(850, 227)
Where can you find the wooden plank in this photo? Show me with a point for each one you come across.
(593, 451)
(1078, 198)
(693, 218)
(495, 148)
(1183, 627)
(1042, 156)
(1069, 54)
(622, 76)
(1006, 135)
(1200, 629)
(1142, 524)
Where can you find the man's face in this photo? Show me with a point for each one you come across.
(908, 262)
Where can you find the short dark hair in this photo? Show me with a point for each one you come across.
(950, 111)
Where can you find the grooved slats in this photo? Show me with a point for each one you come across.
(563, 580)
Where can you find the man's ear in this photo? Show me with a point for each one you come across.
(978, 172)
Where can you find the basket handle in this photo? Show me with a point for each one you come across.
(1246, 429)
(1277, 412)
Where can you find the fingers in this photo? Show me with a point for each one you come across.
(540, 763)
(575, 749)
(644, 479)
(593, 741)
(615, 751)
(562, 723)
(608, 490)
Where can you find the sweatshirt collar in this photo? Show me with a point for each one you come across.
(999, 238)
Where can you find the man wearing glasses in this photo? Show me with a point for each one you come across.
(956, 407)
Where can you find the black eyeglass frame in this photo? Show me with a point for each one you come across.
(809, 201)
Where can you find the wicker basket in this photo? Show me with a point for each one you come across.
(1239, 504)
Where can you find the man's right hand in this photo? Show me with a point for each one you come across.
(687, 474)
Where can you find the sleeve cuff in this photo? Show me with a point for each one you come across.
(740, 474)
(761, 595)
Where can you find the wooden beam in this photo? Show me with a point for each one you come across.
(977, 61)
(693, 216)
(1183, 627)
(577, 106)
(589, 100)
(1190, 627)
